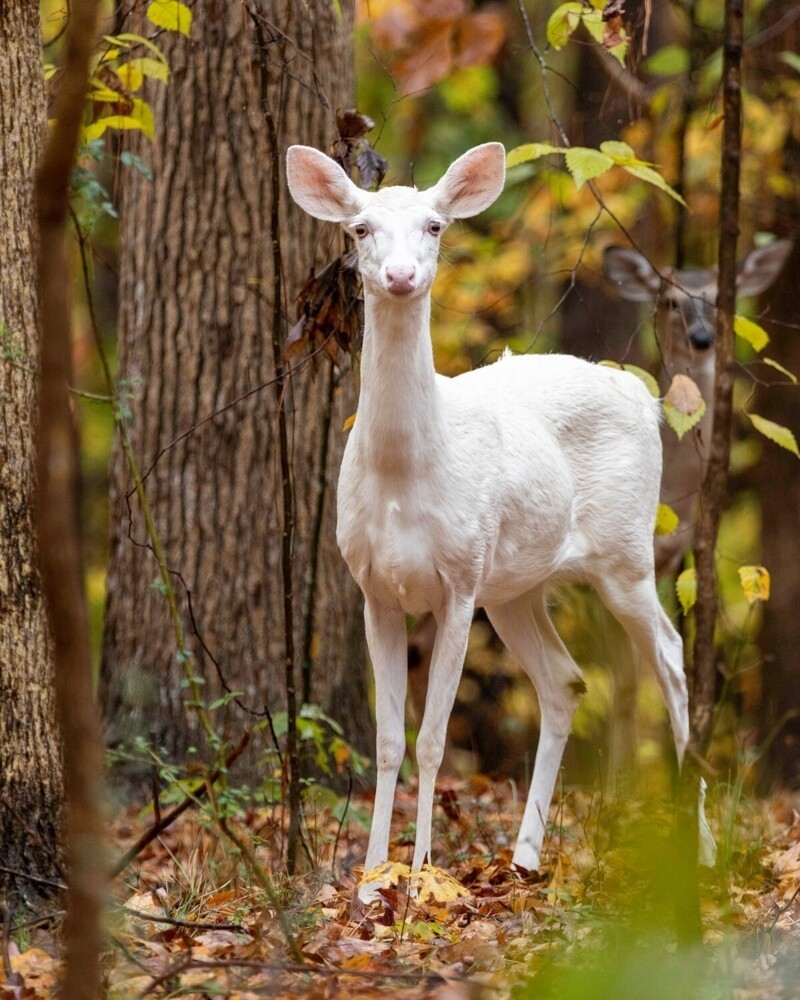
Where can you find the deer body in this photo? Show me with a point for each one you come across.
(481, 490)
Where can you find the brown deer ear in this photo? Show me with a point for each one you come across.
(761, 267)
(631, 274)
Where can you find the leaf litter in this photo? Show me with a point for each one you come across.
(188, 920)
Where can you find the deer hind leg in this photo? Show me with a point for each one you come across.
(637, 608)
(525, 627)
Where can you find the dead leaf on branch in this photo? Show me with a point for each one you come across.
(331, 313)
(613, 9)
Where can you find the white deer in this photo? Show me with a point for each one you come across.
(482, 490)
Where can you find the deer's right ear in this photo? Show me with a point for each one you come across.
(320, 186)
(631, 274)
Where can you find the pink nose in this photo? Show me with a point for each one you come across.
(400, 278)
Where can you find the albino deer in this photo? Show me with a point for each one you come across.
(482, 490)
(685, 324)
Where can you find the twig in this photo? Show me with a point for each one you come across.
(5, 941)
(287, 493)
(33, 878)
(190, 799)
(176, 922)
(343, 817)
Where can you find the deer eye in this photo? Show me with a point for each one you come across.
(435, 227)
(361, 229)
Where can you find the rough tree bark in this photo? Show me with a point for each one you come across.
(30, 756)
(196, 317)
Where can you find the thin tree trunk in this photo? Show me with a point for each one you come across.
(30, 755)
(196, 318)
(57, 524)
(702, 677)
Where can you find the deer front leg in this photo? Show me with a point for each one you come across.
(445, 673)
(387, 642)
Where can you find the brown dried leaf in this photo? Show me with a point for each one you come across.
(478, 39)
(427, 62)
(371, 168)
(684, 395)
(351, 124)
(613, 9)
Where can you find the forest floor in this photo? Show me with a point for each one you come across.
(596, 922)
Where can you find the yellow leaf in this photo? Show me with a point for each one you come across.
(775, 432)
(97, 128)
(105, 94)
(686, 589)
(755, 583)
(349, 422)
(143, 113)
(129, 40)
(778, 367)
(667, 520)
(131, 76)
(434, 885)
(756, 336)
(170, 14)
(152, 67)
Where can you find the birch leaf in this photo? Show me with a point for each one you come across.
(775, 432)
(686, 589)
(170, 14)
(584, 164)
(684, 406)
(778, 367)
(756, 336)
(667, 520)
(755, 583)
(530, 151)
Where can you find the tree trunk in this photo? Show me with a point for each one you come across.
(30, 755)
(196, 317)
(779, 489)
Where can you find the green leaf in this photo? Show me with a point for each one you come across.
(593, 22)
(682, 422)
(562, 22)
(791, 59)
(755, 583)
(170, 14)
(654, 178)
(667, 520)
(756, 336)
(130, 159)
(668, 61)
(584, 164)
(686, 589)
(775, 432)
(780, 368)
(619, 151)
(530, 151)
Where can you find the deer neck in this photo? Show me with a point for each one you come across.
(400, 408)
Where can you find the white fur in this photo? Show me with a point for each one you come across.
(481, 490)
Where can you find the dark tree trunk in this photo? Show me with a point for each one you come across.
(779, 489)
(196, 318)
(30, 755)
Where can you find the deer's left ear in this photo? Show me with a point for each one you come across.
(472, 183)
(761, 267)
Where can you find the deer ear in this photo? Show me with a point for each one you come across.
(471, 183)
(761, 267)
(320, 186)
(631, 274)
